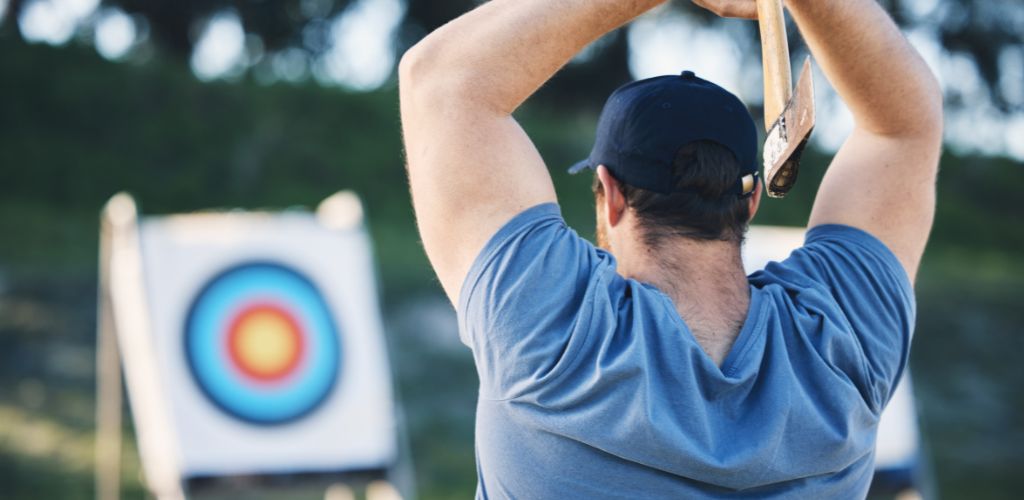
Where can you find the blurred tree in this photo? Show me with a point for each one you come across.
(278, 23)
(986, 31)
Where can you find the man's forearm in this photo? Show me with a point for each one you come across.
(883, 80)
(499, 54)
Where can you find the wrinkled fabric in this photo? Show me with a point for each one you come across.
(592, 386)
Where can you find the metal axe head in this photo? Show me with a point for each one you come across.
(788, 137)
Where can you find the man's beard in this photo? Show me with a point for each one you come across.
(602, 234)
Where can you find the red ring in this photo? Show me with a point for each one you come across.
(233, 340)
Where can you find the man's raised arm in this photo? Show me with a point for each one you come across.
(471, 167)
(883, 178)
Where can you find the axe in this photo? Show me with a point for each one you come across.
(788, 115)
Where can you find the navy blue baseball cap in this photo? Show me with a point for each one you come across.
(644, 124)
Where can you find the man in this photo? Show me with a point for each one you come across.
(654, 368)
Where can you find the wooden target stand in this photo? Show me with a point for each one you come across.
(122, 309)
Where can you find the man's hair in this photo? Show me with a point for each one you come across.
(706, 209)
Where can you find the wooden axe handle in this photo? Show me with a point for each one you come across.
(778, 76)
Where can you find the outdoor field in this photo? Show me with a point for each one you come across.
(275, 129)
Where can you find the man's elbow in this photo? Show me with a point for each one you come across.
(432, 75)
(419, 78)
(425, 71)
(932, 106)
(414, 66)
(919, 116)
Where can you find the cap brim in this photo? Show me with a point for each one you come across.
(581, 166)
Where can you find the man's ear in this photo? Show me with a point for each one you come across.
(755, 200)
(614, 202)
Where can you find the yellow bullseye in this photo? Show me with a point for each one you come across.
(265, 343)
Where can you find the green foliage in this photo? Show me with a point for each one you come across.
(987, 34)
(77, 130)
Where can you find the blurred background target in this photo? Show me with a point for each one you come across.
(252, 346)
(262, 344)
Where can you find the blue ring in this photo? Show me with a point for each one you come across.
(207, 326)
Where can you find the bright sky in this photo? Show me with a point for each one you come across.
(43, 21)
(361, 57)
(220, 50)
(115, 33)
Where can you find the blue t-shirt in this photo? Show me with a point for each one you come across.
(592, 386)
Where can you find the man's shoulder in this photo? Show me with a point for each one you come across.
(851, 300)
(835, 255)
(531, 300)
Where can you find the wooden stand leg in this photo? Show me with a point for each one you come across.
(108, 388)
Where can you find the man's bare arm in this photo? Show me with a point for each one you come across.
(471, 167)
(883, 178)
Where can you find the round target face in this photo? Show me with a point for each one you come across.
(262, 344)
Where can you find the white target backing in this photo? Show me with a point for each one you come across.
(268, 343)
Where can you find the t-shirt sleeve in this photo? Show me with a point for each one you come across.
(871, 288)
(519, 308)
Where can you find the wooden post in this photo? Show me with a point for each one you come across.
(129, 319)
(109, 402)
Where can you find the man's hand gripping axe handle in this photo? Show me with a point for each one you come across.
(789, 115)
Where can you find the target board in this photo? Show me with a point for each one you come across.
(267, 342)
(262, 344)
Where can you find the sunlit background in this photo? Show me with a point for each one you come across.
(353, 45)
(196, 104)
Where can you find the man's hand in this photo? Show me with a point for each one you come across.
(471, 167)
(740, 9)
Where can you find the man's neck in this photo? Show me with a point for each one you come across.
(705, 281)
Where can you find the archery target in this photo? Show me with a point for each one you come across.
(261, 343)
(269, 343)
